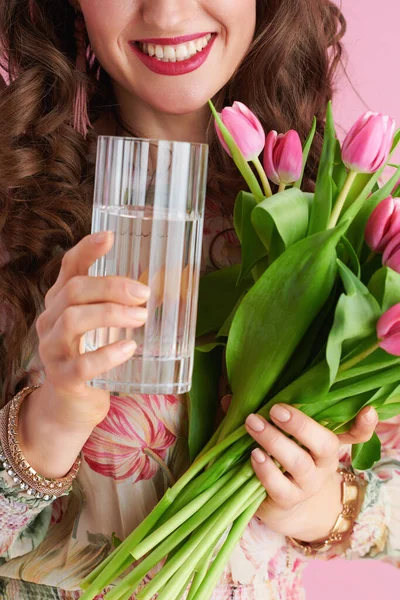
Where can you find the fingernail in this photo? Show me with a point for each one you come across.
(255, 423)
(280, 413)
(101, 237)
(259, 456)
(128, 347)
(369, 416)
(138, 290)
(137, 314)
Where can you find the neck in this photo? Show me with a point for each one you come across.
(145, 121)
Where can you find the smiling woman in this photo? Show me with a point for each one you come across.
(148, 68)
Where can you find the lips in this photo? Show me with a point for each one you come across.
(173, 68)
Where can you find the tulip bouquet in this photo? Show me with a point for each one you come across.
(311, 317)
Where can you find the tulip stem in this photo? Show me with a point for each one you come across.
(263, 177)
(342, 199)
(370, 257)
(358, 358)
(282, 187)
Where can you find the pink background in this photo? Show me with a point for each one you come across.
(373, 68)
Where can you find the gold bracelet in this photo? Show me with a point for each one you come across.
(16, 465)
(343, 527)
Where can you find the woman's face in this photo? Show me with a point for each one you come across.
(170, 54)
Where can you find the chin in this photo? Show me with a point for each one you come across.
(177, 101)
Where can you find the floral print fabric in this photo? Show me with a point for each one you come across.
(129, 461)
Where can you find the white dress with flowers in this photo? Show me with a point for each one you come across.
(45, 550)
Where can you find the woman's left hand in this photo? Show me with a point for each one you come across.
(305, 501)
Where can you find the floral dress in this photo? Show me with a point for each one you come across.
(129, 461)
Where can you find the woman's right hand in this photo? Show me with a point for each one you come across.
(56, 419)
(76, 304)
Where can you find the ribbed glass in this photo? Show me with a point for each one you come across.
(151, 194)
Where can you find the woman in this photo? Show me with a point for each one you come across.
(277, 56)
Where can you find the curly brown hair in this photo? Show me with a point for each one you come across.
(46, 178)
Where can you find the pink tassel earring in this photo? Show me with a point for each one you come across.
(81, 117)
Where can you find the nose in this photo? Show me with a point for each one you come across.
(168, 15)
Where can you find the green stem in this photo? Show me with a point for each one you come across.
(120, 559)
(186, 555)
(182, 516)
(200, 573)
(263, 177)
(370, 257)
(208, 508)
(358, 358)
(282, 187)
(227, 515)
(211, 579)
(341, 199)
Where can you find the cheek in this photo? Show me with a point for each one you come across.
(106, 19)
(237, 19)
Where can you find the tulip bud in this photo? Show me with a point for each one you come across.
(388, 330)
(245, 129)
(391, 254)
(383, 224)
(367, 145)
(283, 157)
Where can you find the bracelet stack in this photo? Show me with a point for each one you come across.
(14, 462)
(342, 529)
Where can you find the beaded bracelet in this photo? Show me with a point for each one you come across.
(343, 527)
(16, 465)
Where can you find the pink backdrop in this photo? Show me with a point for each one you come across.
(373, 67)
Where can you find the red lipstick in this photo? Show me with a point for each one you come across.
(173, 68)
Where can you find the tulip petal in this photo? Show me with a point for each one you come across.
(288, 157)
(355, 130)
(247, 138)
(378, 223)
(388, 320)
(391, 345)
(393, 225)
(251, 117)
(269, 164)
(221, 139)
(363, 150)
(390, 256)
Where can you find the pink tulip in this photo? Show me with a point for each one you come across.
(391, 254)
(283, 157)
(367, 145)
(388, 330)
(383, 224)
(245, 129)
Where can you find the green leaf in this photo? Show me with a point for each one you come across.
(306, 151)
(384, 285)
(348, 256)
(339, 174)
(362, 207)
(273, 317)
(282, 220)
(356, 315)
(218, 294)
(203, 399)
(388, 411)
(322, 205)
(364, 456)
(253, 249)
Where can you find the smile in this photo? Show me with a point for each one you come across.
(174, 56)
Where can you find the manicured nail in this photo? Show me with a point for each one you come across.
(280, 413)
(138, 290)
(255, 423)
(259, 456)
(128, 347)
(101, 237)
(369, 416)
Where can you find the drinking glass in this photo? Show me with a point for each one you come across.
(151, 194)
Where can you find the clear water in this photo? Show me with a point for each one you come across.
(161, 249)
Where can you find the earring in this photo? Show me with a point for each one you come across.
(81, 117)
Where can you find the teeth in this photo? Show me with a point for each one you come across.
(176, 53)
